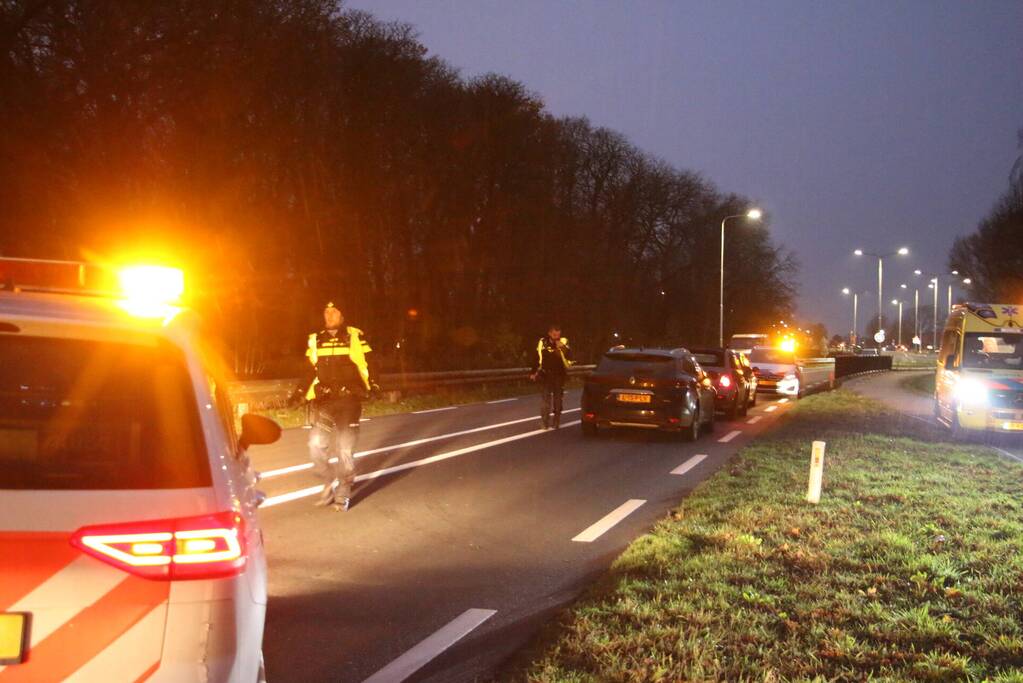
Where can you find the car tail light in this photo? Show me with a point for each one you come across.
(589, 416)
(203, 547)
(725, 381)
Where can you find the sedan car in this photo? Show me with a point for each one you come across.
(657, 389)
(734, 384)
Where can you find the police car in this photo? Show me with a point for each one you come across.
(129, 544)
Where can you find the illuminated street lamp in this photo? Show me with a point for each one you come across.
(752, 215)
(965, 281)
(896, 302)
(901, 251)
(856, 303)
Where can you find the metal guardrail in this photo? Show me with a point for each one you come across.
(854, 365)
(277, 390)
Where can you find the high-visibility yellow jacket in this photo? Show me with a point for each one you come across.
(339, 361)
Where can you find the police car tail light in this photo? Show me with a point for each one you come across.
(203, 547)
(725, 381)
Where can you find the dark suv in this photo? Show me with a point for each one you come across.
(733, 380)
(662, 389)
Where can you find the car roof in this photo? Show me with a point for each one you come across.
(668, 353)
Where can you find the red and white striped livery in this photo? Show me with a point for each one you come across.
(130, 549)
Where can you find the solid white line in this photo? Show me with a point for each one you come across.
(770, 409)
(270, 474)
(502, 400)
(433, 410)
(431, 647)
(784, 400)
(729, 436)
(689, 464)
(313, 490)
(755, 419)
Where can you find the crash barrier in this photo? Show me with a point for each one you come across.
(276, 391)
(815, 373)
(854, 365)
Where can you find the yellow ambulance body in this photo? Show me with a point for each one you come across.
(979, 381)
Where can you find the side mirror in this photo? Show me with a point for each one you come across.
(257, 430)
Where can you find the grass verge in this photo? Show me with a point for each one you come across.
(295, 417)
(911, 567)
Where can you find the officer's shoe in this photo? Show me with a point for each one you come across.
(342, 504)
(545, 423)
(557, 422)
(327, 494)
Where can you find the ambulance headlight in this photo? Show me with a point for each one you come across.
(972, 392)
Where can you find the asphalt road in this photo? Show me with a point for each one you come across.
(459, 547)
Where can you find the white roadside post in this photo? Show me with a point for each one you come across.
(813, 492)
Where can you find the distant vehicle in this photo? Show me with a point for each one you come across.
(779, 371)
(129, 543)
(734, 381)
(649, 389)
(979, 380)
(745, 343)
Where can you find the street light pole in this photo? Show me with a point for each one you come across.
(880, 280)
(899, 304)
(753, 215)
(916, 315)
(934, 336)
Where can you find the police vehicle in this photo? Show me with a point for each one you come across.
(130, 549)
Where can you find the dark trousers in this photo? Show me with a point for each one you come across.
(552, 390)
(332, 441)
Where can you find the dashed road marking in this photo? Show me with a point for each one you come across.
(432, 646)
(729, 436)
(755, 419)
(597, 530)
(770, 409)
(689, 464)
(783, 400)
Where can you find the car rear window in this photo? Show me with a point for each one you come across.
(88, 415)
(772, 356)
(642, 365)
(712, 359)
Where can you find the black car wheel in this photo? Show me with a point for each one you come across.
(753, 399)
(692, 432)
(745, 406)
(733, 408)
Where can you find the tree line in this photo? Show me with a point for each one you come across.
(993, 253)
(288, 152)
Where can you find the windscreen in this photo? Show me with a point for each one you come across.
(772, 356)
(638, 365)
(993, 351)
(85, 415)
(709, 359)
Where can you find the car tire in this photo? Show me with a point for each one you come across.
(753, 399)
(732, 410)
(692, 432)
(744, 410)
(589, 429)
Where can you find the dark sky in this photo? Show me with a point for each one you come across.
(855, 124)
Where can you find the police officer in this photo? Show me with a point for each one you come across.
(340, 380)
(550, 368)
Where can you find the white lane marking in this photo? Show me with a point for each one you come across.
(313, 490)
(597, 530)
(689, 464)
(755, 419)
(770, 409)
(281, 471)
(364, 419)
(59, 598)
(433, 410)
(131, 654)
(431, 647)
(783, 400)
(1007, 453)
(729, 436)
(502, 400)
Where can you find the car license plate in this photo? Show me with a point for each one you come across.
(13, 637)
(634, 398)
(1012, 426)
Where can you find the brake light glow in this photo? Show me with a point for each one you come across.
(204, 547)
(725, 381)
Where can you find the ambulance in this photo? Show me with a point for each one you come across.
(979, 380)
(130, 549)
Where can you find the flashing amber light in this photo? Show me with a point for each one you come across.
(788, 344)
(413, 313)
(150, 291)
